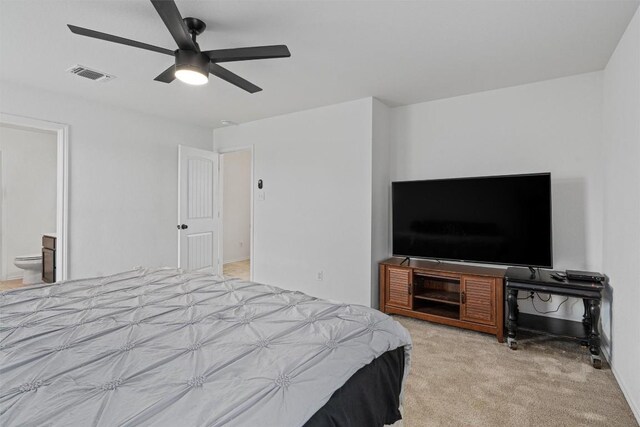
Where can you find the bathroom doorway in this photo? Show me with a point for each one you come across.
(32, 202)
(236, 213)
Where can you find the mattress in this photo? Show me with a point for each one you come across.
(164, 347)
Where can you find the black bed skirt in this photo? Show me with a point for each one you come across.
(370, 398)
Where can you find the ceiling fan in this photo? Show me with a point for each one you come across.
(192, 65)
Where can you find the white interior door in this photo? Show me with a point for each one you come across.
(198, 209)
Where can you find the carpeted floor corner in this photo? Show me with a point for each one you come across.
(465, 378)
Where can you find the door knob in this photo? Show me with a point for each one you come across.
(183, 227)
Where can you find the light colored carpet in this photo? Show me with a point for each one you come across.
(239, 269)
(465, 378)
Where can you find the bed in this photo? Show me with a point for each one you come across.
(165, 347)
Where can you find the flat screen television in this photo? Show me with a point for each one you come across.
(493, 219)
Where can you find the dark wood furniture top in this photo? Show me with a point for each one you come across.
(542, 280)
(49, 242)
(445, 267)
(452, 294)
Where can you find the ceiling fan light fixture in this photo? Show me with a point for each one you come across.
(192, 67)
(191, 77)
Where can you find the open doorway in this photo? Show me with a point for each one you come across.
(236, 216)
(28, 178)
(33, 201)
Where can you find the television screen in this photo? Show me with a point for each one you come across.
(496, 219)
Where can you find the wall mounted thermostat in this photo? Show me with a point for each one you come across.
(260, 184)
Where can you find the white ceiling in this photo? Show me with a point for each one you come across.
(401, 52)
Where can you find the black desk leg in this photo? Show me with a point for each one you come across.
(594, 335)
(586, 317)
(512, 322)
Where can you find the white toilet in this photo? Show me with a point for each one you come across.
(32, 266)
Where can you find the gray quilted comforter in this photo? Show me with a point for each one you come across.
(163, 347)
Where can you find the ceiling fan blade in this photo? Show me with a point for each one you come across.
(171, 17)
(167, 76)
(248, 53)
(115, 39)
(232, 78)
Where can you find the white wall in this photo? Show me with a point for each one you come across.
(316, 212)
(621, 249)
(236, 208)
(28, 168)
(122, 179)
(552, 126)
(380, 193)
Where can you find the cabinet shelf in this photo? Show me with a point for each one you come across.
(441, 310)
(439, 295)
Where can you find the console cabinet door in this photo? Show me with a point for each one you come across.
(478, 295)
(399, 287)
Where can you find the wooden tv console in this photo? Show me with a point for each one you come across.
(452, 294)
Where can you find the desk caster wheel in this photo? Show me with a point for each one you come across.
(596, 362)
(512, 343)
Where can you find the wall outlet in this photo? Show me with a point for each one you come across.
(320, 276)
(261, 195)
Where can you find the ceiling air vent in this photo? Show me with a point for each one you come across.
(88, 73)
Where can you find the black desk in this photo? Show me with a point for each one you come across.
(521, 279)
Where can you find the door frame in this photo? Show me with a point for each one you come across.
(62, 186)
(221, 152)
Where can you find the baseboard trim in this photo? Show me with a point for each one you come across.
(236, 260)
(625, 391)
(606, 353)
